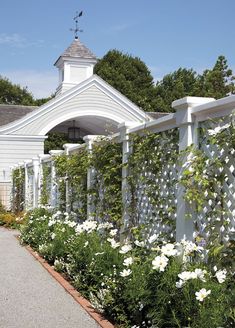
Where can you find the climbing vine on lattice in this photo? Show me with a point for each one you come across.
(72, 169)
(152, 180)
(18, 177)
(209, 180)
(106, 193)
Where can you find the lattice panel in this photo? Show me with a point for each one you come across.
(220, 209)
(155, 193)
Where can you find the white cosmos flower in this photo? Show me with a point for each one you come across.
(125, 273)
(113, 243)
(128, 261)
(221, 275)
(152, 239)
(202, 294)
(139, 243)
(169, 250)
(51, 222)
(200, 274)
(125, 248)
(53, 235)
(218, 129)
(89, 226)
(179, 284)
(186, 275)
(113, 232)
(160, 262)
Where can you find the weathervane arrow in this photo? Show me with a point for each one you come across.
(77, 29)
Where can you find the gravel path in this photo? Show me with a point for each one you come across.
(29, 296)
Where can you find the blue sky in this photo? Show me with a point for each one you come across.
(165, 34)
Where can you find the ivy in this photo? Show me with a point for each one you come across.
(18, 190)
(45, 186)
(106, 193)
(152, 180)
(208, 179)
(72, 169)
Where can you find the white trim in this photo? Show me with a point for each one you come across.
(130, 107)
(15, 137)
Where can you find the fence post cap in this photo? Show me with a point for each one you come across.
(189, 102)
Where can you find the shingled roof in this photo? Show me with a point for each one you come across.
(11, 113)
(78, 50)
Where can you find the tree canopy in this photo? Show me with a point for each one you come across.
(14, 94)
(130, 76)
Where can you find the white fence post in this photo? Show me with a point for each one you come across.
(187, 136)
(126, 151)
(54, 189)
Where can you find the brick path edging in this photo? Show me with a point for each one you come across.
(85, 304)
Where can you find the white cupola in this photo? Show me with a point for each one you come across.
(75, 65)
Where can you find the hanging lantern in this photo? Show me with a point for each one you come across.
(74, 133)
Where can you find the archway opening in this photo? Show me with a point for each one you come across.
(73, 131)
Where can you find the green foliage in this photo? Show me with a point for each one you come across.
(205, 178)
(55, 140)
(46, 181)
(11, 220)
(72, 169)
(13, 94)
(150, 171)
(217, 83)
(128, 283)
(106, 159)
(174, 86)
(18, 177)
(130, 76)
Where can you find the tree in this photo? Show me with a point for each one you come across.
(174, 86)
(130, 76)
(13, 94)
(218, 82)
(55, 140)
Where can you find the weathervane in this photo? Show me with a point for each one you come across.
(76, 29)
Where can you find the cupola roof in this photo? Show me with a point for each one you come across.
(77, 50)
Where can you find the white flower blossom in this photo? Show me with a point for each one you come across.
(169, 250)
(125, 273)
(113, 243)
(200, 274)
(113, 232)
(51, 222)
(179, 284)
(202, 294)
(125, 248)
(221, 275)
(128, 261)
(139, 243)
(53, 235)
(152, 239)
(218, 129)
(160, 262)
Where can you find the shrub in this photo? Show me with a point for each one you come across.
(135, 283)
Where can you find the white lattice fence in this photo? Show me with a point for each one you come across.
(155, 191)
(219, 212)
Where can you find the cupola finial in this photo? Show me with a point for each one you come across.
(76, 29)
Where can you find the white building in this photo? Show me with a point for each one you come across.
(82, 99)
